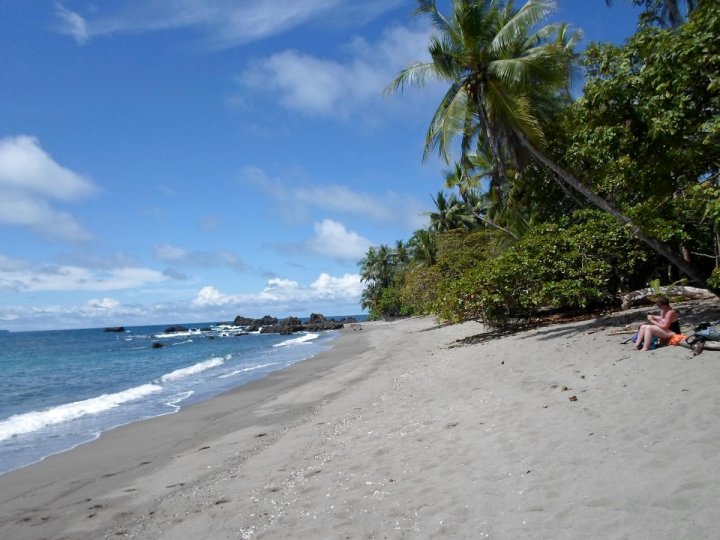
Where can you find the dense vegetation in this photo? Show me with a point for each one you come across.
(557, 203)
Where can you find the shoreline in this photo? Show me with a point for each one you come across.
(398, 432)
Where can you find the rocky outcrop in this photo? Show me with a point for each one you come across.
(115, 329)
(253, 325)
(271, 325)
(176, 329)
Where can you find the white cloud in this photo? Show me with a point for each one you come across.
(332, 239)
(169, 253)
(328, 87)
(346, 286)
(224, 23)
(22, 276)
(28, 178)
(72, 24)
(176, 255)
(38, 215)
(27, 167)
(282, 292)
(297, 198)
(332, 295)
(102, 304)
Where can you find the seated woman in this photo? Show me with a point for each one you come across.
(661, 326)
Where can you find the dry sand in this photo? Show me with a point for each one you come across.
(561, 432)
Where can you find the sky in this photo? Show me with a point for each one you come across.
(169, 161)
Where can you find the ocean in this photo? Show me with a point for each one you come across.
(64, 388)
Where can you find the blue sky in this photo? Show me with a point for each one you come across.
(171, 161)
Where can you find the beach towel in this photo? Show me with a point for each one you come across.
(654, 341)
(677, 339)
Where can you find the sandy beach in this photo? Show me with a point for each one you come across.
(401, 431)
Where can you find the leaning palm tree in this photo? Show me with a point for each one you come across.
(504, 72)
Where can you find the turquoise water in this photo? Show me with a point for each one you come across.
(64, 388)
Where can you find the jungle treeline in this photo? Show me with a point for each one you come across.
(554, 202)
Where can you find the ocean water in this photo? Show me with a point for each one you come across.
(64, 388)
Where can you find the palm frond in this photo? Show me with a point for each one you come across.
(516, 27)
(447, 122)
(416, 74)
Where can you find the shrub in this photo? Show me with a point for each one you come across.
(584, 261)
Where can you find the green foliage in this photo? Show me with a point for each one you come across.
(419, 291)
(389, 305)
(715, 278)
(579, 263)
(457, 253)
(644, 138)
(648, 122)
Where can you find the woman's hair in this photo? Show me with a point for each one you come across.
(661, 300)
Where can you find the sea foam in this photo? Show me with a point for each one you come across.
(36, 420)
(297, 340)
(192, 370)
(247, 369)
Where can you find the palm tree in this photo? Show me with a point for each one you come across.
(423, 245)
(450, 214)
(401, 254)
(503, 77)
(377, 270)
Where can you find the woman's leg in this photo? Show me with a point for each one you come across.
(651, 331)
(640, 335)
(647, 336)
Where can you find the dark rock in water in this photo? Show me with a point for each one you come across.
(240, 334)
(286, 326)
(206, 329)
(157, 345)
(253, 325)
(176, 329)
(317, 323)
(242, 321)
(271, 325)
(115, 329)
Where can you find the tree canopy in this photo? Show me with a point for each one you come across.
(641, 144)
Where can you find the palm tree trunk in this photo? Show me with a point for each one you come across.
(660, 248)
(673, 13)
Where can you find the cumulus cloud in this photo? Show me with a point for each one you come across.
(223, 23)
(29, 178)
(329, 87)
(38, 215)
(26, 166)
(281, 292)
(332, 239)
(176, 255)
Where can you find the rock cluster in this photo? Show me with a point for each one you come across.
(271, 325)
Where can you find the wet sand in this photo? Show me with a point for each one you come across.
(398, 432)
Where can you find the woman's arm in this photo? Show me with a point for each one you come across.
(666, 322)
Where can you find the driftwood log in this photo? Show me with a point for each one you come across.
(676, 293)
